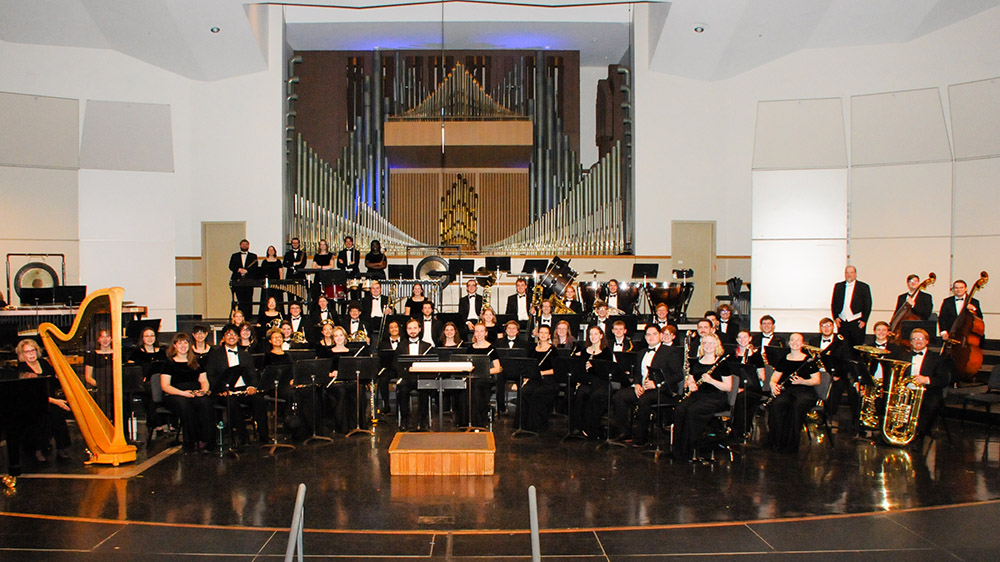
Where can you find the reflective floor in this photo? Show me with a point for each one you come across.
(599, 498)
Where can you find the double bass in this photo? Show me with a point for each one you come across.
(905, 313)
(965, 336)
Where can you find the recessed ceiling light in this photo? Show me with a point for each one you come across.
(699, 27)
(215, 30)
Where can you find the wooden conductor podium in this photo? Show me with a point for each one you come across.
(442, 454)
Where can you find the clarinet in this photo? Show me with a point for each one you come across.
(784, 379)
(707, 374)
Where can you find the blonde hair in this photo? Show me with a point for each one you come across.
(27, 343)
(718, 345)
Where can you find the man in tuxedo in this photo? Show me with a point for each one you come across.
(519, 304)
(347, 259)
(837, 356)
(661, 315)
(231, 369)
(705, 327)
(412, 345)
(658, 371)
(373, 307)
(317, 316)
(601, 318)
(243, 265)
(510, 339)
(875, 370)
(619, 341)
(614, 299)
(728, 327)
(921, 303)
(297, 320)
(851, 305)
(953, 305)
(354, 321)
(389, 345)
(294, 260)
(470, 306)
(768, 342)
(932, 372)
(430, 327)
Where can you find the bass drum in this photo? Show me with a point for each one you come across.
(558, 276)
(433, 268)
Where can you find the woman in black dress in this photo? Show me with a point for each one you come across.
(271, 269)
(98, 372)
(793, 400)
(415, 303)
(479, 345)
(270, 317)
(185, 392)
(708, 384)
(488, 318)
(340, 391)
(31, 365)
(248, 342)
(747, 364)
(200, 347)
(537, 395)
(323, 256)
(449, 336)
(590, 398)
(146, 354)
(562, 336)
(375, 261)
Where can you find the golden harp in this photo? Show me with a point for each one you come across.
(105, 438)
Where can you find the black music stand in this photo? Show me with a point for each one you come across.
(31, 296)
(573, 367)
(400, 271)
(364, 368)
(70, 295)
(498, 263)
(653, 372)
(532, 267)
(480, 370)
(614, 373)
(276, 376)
(461, 266)
(518, 369)
(304, 375)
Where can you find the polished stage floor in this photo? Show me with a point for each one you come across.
(843, 499)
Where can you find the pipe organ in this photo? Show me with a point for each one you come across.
(459, 219)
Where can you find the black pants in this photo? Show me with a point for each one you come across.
(243, 296)
(15, 435)
(625, 401)
(196, 416)
(403, 389)
(537, 397)
(52, 426)
(787, 414)
(930, 408)
(837, 389)
(480, 403)
(852, 332)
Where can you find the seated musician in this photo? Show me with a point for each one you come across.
(770, 343)
(276, 355)
(793, 398)
(570, 300)
(519, 304)
(657, 372)
(590, 394)
(921, 303)
(146, 353)
(480, 345)
(390, 342)
(545, 315)
(952, 306)
(248, 342)
(449, 336)
(375, 261)
(200, 347)
(747, 364)
(708, 386)
(537, 396)
(298, 321)
(705, 327)
(98, 372)
(340, 392)
(563, 336)
(489, 319)
(230, 368)
(321, 313)
(881, 341)
(510, 339)
(354, 324)
(660, 315)
(602, 317)
(236, 317)
(269, 317)
(430, 327)
(413, 346)
(374, 306)
(470, 306)
(838, 357)
(185, 391)
(620, 342)
(31, 365)
(728, 327)
(931, 371)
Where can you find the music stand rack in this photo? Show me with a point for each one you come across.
(480, 370)
(309, 368)
(365, 368)
(277, 374)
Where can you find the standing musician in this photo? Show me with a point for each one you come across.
(412, 346)
(791, 402)
(767, 341)
(921, 303)
(837, 357)
(217, 366)
(413, 304)
(430, 326)
(375, 261)
(708, 385)
(480, 401)
(569, 299)
(243, 265)
(470, 306)
(952, 306)
(538, 395)
(746, 363)
(620, 342)
(931, 371)
(590, 398)
(294, 260)
(519, 304)
(729, 327)
(347, 259)
(374, 306)
(655, 377)
(851, 306)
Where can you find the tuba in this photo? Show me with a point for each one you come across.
(559, 305)
(902, 405)
(870, 395)
(486, 279)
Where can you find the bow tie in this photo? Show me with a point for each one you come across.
(233, 351)
(918, 353)
(651, 350)
(827, 340)
(294, 318)
(414, 340)
(880, 345)
(957, 299)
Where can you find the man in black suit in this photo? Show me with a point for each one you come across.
(768, 342)
(231, 369)
(294, 260)
(616, 299)
(953, 305)
(851, 306)
(658, 370)
(728, 326)
(347, 259)
(243, 265)
(921, 303)
(837, 356)
(509, 339)
(353, 322)
(320, 313)
(299, 322)
(602, 319)
(932, 372)
(519, 304)
(389, 345)
(412, 345)
(470, 306)
(430, 326)
(373, 307)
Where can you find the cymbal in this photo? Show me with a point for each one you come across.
(593, 272)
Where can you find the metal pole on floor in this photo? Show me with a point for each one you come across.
(536, 554)
(298, 520)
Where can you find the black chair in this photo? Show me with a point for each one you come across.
(716, 435)
(987, 399)
(161, 412)
(822, 394)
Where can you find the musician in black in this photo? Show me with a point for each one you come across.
(373, 307)
(470, 306)
(921, 303)
(389, 372)
(931, 371)
(570, 300)
(708, 386)
(31, 365)
(511, 339)
(747, 364)
(589, 402)
(231, 369)
(353, 322)
(601, 319)
(243, 265)
(430, 326)
(185, 391)
(298, 321)
(294, 261)
(728, 326)
(620, 342)
(412, 346)
(537, 395)
(519, 304)
(347, 259)
(792, 386)
(768, 342)
(615, 299)
(851, 305)
(375, 261)
(480, 401)
(319, 314)
(270, 269)
(839, 359)
(660, 315)
(952, 306)
(657, 372)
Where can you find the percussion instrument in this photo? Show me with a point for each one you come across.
(558, 276)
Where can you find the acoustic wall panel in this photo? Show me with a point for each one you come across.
(884, 263)
(975, 118)
(799, 204)
(127, 136)
(38, 204)
(796, 274)
(902, 200)
(39, 131)
(898, 128)
(977, 197)
(150, 282)
(793, 134)
(976, 254)
(146, 196)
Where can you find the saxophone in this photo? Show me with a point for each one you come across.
(902, 405)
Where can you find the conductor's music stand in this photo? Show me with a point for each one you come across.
(304, 375)
(480, 370)
(276, 376)
(364, 368)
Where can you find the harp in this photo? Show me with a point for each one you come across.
(105, 437)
